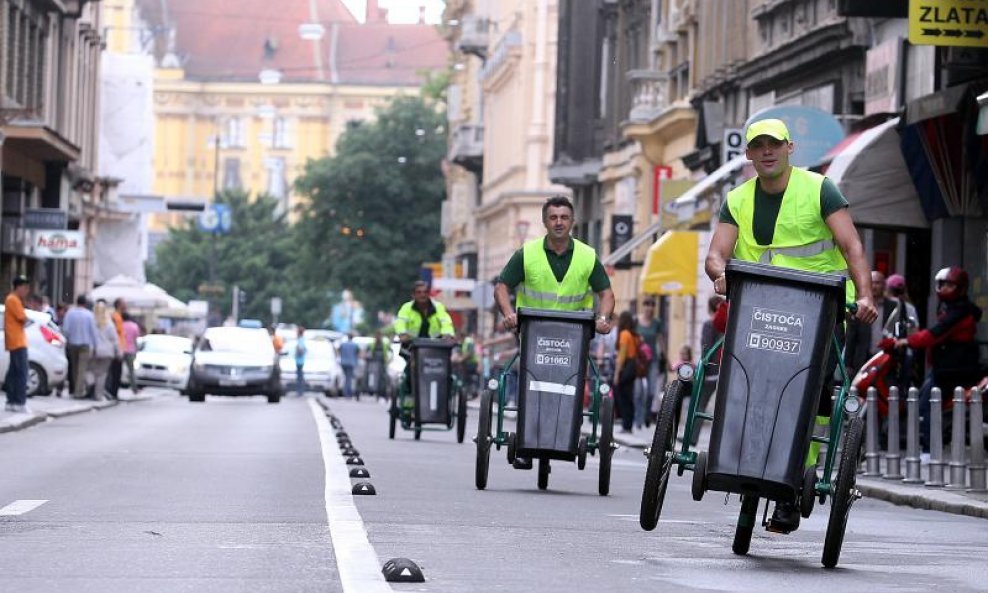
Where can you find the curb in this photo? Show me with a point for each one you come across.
(70, 409)
(927, 503)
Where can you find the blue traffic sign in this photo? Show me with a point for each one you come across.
(216, 218)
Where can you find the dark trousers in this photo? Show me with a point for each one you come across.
(624, 397)
(15, 384)
(113, 378)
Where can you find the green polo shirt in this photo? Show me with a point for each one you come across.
(514, 272)
(767, 208)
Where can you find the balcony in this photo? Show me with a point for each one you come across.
(467, 147)
(473, 36)
(648, 94)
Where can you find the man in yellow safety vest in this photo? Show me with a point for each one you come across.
(766, 220)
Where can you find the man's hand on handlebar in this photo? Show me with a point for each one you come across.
(866, 313)
(511, 321)
(404, 338)
(603, 326)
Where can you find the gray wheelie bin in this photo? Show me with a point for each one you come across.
(430, 374)
(552, 373)
(779, 337)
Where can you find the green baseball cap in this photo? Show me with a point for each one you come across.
(775, 128)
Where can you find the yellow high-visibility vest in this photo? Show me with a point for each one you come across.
(541, 290)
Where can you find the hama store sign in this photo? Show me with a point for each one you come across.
(948, 22)
(56, 244)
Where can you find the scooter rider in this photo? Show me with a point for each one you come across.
(764, 220)
(555, 272)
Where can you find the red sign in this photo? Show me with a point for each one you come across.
(659, 172)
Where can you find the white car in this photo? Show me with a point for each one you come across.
(322, 367)
(163, 361)
(47, 365)
(234, 361)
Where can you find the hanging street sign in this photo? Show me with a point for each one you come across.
(948, 22)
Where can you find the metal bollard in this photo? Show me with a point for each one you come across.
(873, 462)
(958, 450)
(912, 438)
(976, 469)
(936, 441)
(893, 467)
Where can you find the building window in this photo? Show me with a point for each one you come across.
(276, 187)
(234, 133)
(231, 174)
(282, 133)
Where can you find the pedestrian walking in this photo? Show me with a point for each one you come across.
(116, 366)
(652, 331)
(624, 385)
(107, 350)
(349, 359)
(300, 351)
(79, 329)
(132, 332)
(15, 342)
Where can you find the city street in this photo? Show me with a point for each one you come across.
(163, 495)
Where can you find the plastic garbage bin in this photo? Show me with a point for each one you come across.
(431, 372)
(778, 339)
(552, 371)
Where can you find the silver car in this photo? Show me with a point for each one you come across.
(47, 365)
(163, 361)
(234, 361)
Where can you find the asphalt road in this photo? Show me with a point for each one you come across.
(230, 496)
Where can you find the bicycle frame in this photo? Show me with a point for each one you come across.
(593, 413)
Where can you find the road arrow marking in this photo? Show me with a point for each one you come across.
(19, 507)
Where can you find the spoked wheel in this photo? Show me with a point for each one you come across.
(484, 440)
(461, 415)
(699, 486)
(606, 445)
(581, 453)
(660, 457)
(511, 448)
(544, 470)
(393, 413)
(746, 524)
(844, 494)
(808, 496)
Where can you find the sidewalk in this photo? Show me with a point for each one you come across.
(50, 407)
(958, 502)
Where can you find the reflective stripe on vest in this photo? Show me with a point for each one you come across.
(541, 290)
(801, 240)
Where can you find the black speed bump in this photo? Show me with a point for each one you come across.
(354, 461)
(364, 488)
(402, 570)
(341, 434)
(359, 472)
(350, 452)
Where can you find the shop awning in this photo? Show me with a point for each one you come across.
(872, 174)
(670, 265)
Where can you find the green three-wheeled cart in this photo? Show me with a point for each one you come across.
(552, 372)
(432, 397)
(780, 333)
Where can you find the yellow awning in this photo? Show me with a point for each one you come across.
(671, 264)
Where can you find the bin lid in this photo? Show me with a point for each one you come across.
(432, 343)
(535, 314)
(833, 282)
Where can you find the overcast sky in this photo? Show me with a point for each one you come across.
(401, 11)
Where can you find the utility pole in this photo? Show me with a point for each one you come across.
(236, 304)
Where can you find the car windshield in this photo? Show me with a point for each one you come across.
(313, 349)
(166, 344)
(229, 339)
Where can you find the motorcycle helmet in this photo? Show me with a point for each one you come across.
(951, 283)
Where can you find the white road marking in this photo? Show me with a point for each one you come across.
(19, 507)
(356, 561)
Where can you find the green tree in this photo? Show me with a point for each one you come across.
(373, 212)
(258, 255)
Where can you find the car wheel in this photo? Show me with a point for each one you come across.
(274, 398)
(37, 380)
(197, 397)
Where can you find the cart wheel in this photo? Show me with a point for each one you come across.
(418, 432)
(461, 416)
(544, 470)
(393, 415)
(511, 448)
(808, 497)
(605, 445)
(746, 524)
(700, 476)
(483, 440)
(844, 492)
(660, 457)
(581, 453)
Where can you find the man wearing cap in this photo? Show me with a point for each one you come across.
(790, 217)
(15, 341)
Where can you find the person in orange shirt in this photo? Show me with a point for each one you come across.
(15, 341)
(116, 366)
(625, 375)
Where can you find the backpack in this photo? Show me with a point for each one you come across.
(643, 358)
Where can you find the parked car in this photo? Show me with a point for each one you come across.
(163, 361)
(47, 364)
(234, 361)
(322, 367)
